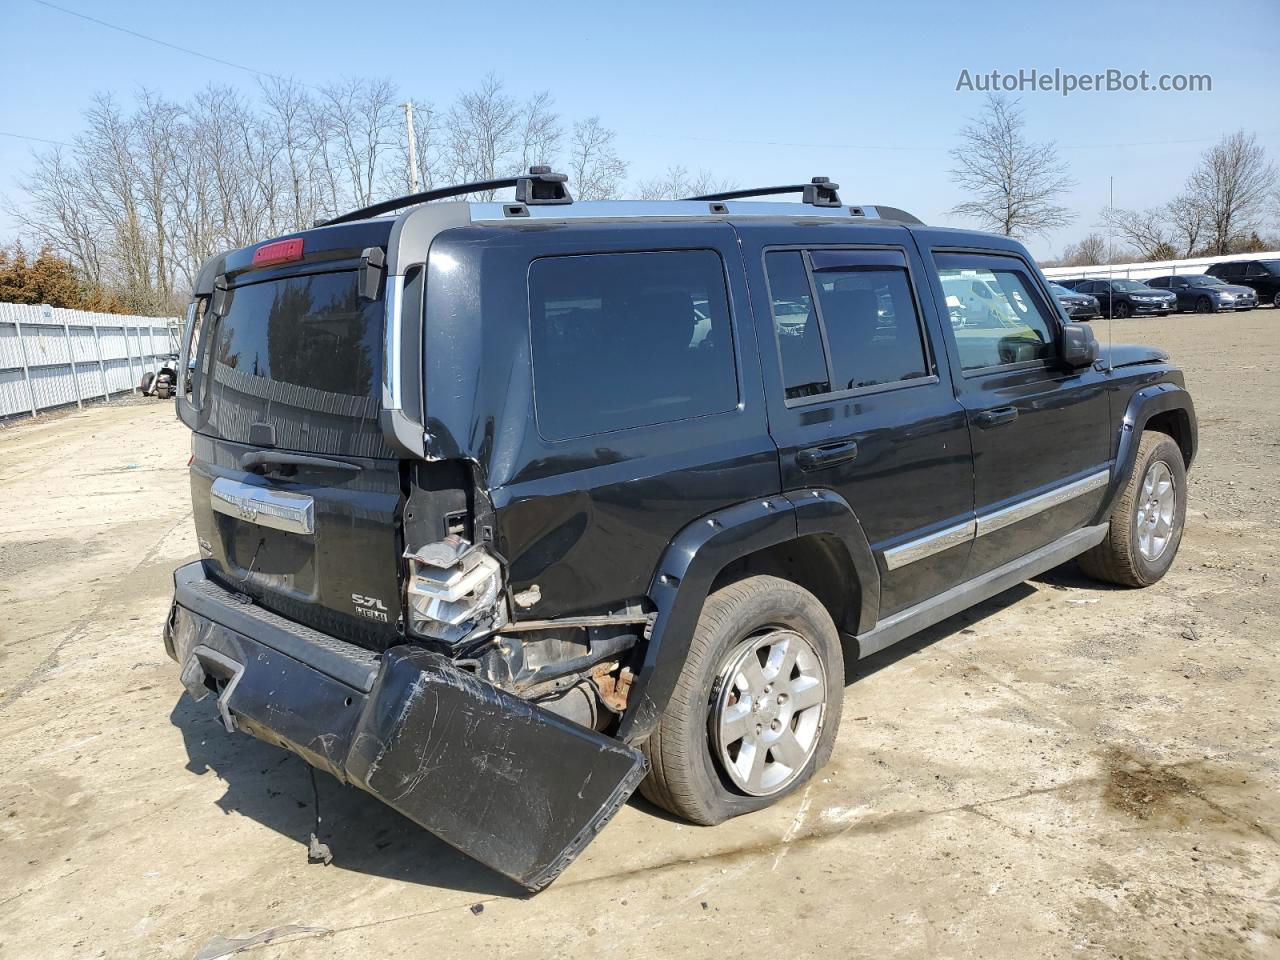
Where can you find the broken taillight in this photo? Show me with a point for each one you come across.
(279, 251)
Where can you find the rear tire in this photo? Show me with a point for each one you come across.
(147, 380)
(1147, 519)
(701, 755)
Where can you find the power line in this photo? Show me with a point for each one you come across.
(163, 43)
(900, 148)
(23, 136)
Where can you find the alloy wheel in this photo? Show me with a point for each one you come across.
(767, 713)
(1153, 520)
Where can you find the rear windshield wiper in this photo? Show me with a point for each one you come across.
(258, 459)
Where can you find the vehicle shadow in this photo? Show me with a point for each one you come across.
(272, 786)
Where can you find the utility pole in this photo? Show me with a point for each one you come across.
(413, 146)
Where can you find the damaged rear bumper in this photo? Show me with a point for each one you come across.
(505, 782)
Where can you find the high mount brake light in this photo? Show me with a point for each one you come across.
(282, 251)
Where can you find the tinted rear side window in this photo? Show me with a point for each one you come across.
(872, 328)
(629, 339)
(795, 323)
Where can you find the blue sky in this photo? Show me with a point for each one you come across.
(760, 93)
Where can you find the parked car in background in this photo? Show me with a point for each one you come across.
(1077, 306)
(1127, 298)
(1205, 294)
(1262, 276)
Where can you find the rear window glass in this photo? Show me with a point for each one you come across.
(303, 354)
(629, 339)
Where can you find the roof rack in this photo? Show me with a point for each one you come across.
(818, 192)
(538, 186)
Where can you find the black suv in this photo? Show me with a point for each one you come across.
(1126, 298)
(1262, 276)
(1205, 294)
(506, 509)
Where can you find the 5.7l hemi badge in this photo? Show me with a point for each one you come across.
(369, 607)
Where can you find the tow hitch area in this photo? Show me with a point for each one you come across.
(514, 786)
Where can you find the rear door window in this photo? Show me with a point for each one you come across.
(873, 329)
(844, 320)
(623, 340)
(795, 324)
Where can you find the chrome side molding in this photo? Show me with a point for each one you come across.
(999, 519)
(924, 547)
(290, 512)
(962, 533)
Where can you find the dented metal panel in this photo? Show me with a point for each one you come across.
(504, 781)
(508, 783)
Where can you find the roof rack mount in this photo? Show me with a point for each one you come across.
(818, 192)
(538, 186)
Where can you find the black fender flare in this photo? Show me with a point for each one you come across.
(698, 553)
(1143, 405)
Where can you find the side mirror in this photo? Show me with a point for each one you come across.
(1078, 346)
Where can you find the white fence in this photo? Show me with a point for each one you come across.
(1161, 268)
(50, 357)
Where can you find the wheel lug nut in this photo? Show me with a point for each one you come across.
(782, 698)
(759, 729)
(775, 726)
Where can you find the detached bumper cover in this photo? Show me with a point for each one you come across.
(518, 788)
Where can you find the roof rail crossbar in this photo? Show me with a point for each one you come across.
(818, 192)
(538, 186)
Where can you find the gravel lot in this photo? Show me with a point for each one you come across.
(1067, 770)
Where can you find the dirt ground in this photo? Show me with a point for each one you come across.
(1066, 771)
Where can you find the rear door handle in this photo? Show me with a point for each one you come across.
(827, 455)
(996, 417)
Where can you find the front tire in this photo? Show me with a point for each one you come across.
(1122, 311)
(1204, 305)
(1147, 519)
(757, 706)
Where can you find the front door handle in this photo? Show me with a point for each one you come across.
(827, 455)
(996, 417)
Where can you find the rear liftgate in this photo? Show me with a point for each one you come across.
(506, 782)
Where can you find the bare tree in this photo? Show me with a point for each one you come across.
(677, 183)
(287, 105)
(57, 216)
(1092, 250)
(361, 115)
(595, 169)
(1188, 222)
(1013, 183)
(482, 134)
(144, 196)
(540, 134)
(1231, 185)
(1147, 230)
